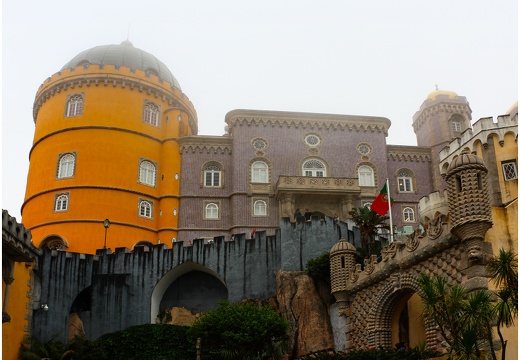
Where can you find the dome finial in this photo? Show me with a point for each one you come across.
(127, 41)
(436, 87)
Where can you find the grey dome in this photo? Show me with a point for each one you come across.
(126, 55)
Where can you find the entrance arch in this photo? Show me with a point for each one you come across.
(396, 297)
(184, 282)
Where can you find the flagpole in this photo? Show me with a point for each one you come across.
(390, 211)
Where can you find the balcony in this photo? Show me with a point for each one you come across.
(300, 185)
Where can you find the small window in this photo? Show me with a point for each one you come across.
(260, 208)
(74, 105)
(66, 165)
(151, 114)
(259, 172)
(61, 203)
(364, 149)
(314, 168)
(212, 175)
(145, 209)
(509, 169)
(366, 176)
(404, 181)
(147, 173)
(211, 211)
(312, 140)
(408, 215)
(456, 126)
(259, 144)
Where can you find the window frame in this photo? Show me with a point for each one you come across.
(256, 201)
(361, 180)
(256, 173)
(213, 173)
(145, 204)
(144, 174)
(408, 210)
(73, 106)
(69, 171)
(60, 205)
(405, 181)
(151, 113)
(313, 172)
(513, 168)
(206, 205)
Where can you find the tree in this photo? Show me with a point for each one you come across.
(503, 270)
(319, 267)
(241, 331)
(463, 319)
(369, 223)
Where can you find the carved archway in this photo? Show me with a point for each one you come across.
(54, 242)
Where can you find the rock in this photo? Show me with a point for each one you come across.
(179, 316)
(299, 302)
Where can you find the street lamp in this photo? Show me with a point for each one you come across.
(106, 224)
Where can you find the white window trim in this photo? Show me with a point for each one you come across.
(64, 198)
(143, 205)
(264, 201)
(206, 205)
(69, 171)
(370, 176)
(256, 173)
(145, 173)
(75, 105)
(212, 173)
(314, 171)
(406, 210)
(151, 113)
(513, 168)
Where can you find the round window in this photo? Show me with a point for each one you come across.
(259, 144)
(312, 140)
(364, 149)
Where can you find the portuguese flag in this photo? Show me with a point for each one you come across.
(380, 204)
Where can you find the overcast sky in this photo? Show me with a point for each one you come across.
(379, 58)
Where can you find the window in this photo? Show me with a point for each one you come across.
(404, 181)
(408, 214)
(145, 209)
(74, 105)
(456, 126)
(61, 203)
(147, 173)
(366, 176)
(151, 114)
(312, 140)
(66, 166)
(314, 167)
(260, 208)
(509, 169)
(211, 211)
(259, 172)
(364, 149)
(212, 175)
(259, 144)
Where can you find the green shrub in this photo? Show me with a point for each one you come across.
(319, 267)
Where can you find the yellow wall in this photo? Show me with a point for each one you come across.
(13, 332)
(108, 139)
(416, 326)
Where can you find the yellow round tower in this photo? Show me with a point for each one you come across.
(105, 148)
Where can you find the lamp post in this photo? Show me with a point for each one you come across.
(106, 224)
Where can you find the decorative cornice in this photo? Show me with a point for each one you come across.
(408, 153)
(449, 107)
(206, 144)
(307, 121)
(115, 80)
(16, 240)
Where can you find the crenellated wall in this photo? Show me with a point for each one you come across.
(115, 290)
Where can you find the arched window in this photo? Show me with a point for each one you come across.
(408, 214)
(314, 167)
(66, 166)
(259, 172)
(147, 173)
(404, 181)
(151, 114)
(75, 105)
(212, 174)
(366, 176)
(456, 126)
(61, 203)
(260, 208)
(145, 209)
(211, 211)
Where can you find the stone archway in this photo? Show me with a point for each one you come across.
(383, 321)
(188, 285)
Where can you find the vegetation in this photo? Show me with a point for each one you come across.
(462, 318)
(319, 267)
(369, 223)
(242, 331)
(504, 272)
(418, 353)
(77, 349)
